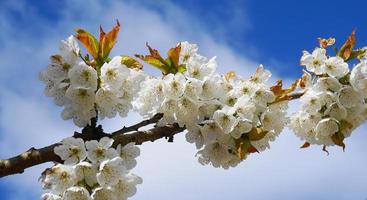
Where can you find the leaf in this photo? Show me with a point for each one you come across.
(257, 134)
(305, 145)
(338, 139)
(244, 147)
(282, 94)
(347, 48)
(326, 42)
(88, 41)
(359, 53)
(168, 65)
(107, 41)
(181, 68)
(131, 62)
(174, 55)
(155, 62)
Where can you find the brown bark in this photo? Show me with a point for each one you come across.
(35, 156)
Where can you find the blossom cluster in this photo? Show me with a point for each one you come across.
(226, 117)
(83, 89)
(91, 170)
(334, 102)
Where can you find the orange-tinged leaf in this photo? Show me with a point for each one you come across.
(282, 94)
(305, 145)
(326, 42)
(252, 149)
(156, 60)
(88, 41)
(107, 41)
(131, 62)
(347, 48)
(174, 55)
(257, 134)
(229, 75)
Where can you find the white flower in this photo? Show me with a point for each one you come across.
(58, 178)
(86, 172)
(82, 98)
(314, 61)
(76, 193)
(69, 49)
(193, 88)
(113, 73)
(358, 78)
(199, 67)
(174, 85)
(337, 111)
(187, 111)
(71, 150)
(263, 96)
(311, 101)
(326, 127)
(225, 119)
(308, 121)
(126, 186)
(128, 153)
(348, 97)
(245, 108)
(328, 83)
(82, 75)
(100, 151)
(50, 196)
(194, 135)
(211, 88)
(110, 172)
(335, 67)
(261, 75)
(187, 51)
(106, 100)
(243, 126)
(273, 121)
(216, 153)
(103, 193)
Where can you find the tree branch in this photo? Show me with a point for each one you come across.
(34, 157)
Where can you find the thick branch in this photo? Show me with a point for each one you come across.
(34, 157)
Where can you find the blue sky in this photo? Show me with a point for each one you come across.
(241, 34)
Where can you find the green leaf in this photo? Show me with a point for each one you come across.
(131, 62)
(181, 68)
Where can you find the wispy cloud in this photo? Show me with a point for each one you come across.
(169, 170)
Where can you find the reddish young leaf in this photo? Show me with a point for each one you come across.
(347, 48)
(174, 55)
(107, 41)
(305, 145)
(88, 41)
(282, 94)
(156, 60)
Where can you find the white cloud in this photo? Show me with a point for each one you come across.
(170, 170)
